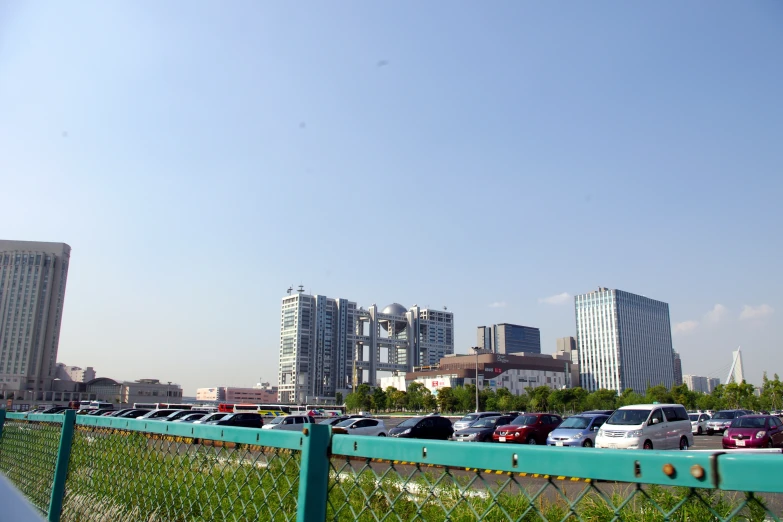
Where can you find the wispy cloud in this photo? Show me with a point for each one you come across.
(717, 313)
(685, 327)
(756, 312)
(558, 299)
(498, 304)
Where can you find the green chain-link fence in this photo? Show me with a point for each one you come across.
(28, 455)
(125, 469)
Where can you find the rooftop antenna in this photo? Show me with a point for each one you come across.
(445, 308)
(290, 289)
(301, 289)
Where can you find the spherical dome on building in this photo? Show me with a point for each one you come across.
(394, 309)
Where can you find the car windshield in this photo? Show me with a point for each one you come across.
(469, 418)
(724, 415)
(575, 423)
(693, 418)
(409, 423)
(525, 420)
(227, 417)
(749, 422)
(327, 421)
(277, 420)
(486, 422)
(628, 417)
(345, 423)
(213, 417)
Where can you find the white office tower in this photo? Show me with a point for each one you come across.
(736, 375)
(624, 341)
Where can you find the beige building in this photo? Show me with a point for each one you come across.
(234, 395)
(74, 373)
(129, 392)
(32, 295)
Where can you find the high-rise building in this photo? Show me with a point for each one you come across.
(677, 368)
(567, 346)
(712, 383)
(327, 344)
(695, 383)
(624, 341)
(505, 338)
(32, 293)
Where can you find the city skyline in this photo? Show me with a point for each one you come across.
(199, 160)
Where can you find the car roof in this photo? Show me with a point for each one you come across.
(649, 406)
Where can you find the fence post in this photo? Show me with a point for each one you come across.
(314, 473)
(2, 420)
(61, 467)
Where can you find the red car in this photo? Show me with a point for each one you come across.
(529, 428)
(754, 431)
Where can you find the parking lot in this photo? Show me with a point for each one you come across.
(701, 442)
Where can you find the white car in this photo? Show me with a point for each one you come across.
(289, 423)
(373, 427)
(647, 426)
(699, 423)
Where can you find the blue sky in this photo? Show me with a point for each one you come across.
(200, 158)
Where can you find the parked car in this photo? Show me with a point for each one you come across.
(373, 427)
(470, 418)
(530, 428)
(646, 426)
(598, 412)
(180, 415)
(754, 431)
(290, 422)
(334, 420)
(192, 417)
(722, 420)
(578, 430)
(428, 427)
(698, 422)
(482, 429)
(158, 414)
(134, 413)
(210, 418)
(241, 420)
(54, 409)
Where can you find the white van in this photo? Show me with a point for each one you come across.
(647, 426)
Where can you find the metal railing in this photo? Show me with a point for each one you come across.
(105, 468)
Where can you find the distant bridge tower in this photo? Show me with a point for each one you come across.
(736, 374)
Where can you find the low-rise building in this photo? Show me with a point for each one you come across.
(513, 372)
(232, 394)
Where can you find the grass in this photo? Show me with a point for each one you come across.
(120, 475)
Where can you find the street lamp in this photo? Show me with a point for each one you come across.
(476, 349)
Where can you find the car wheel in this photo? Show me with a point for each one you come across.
(381, 434)
(770, 445)
(699, 432)
(683, 443)
(531, 441)
(648, 445)
(588, 444)
(710, 433)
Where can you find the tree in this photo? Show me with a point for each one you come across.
(429, 402)
(601, 399)
(359, 399)
(659, 394)
(398, 398)
(447, 401)
(338, 398)
(416, 395)
(378, 399)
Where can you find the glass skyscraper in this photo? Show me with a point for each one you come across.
(506, 338)
(624, 341)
